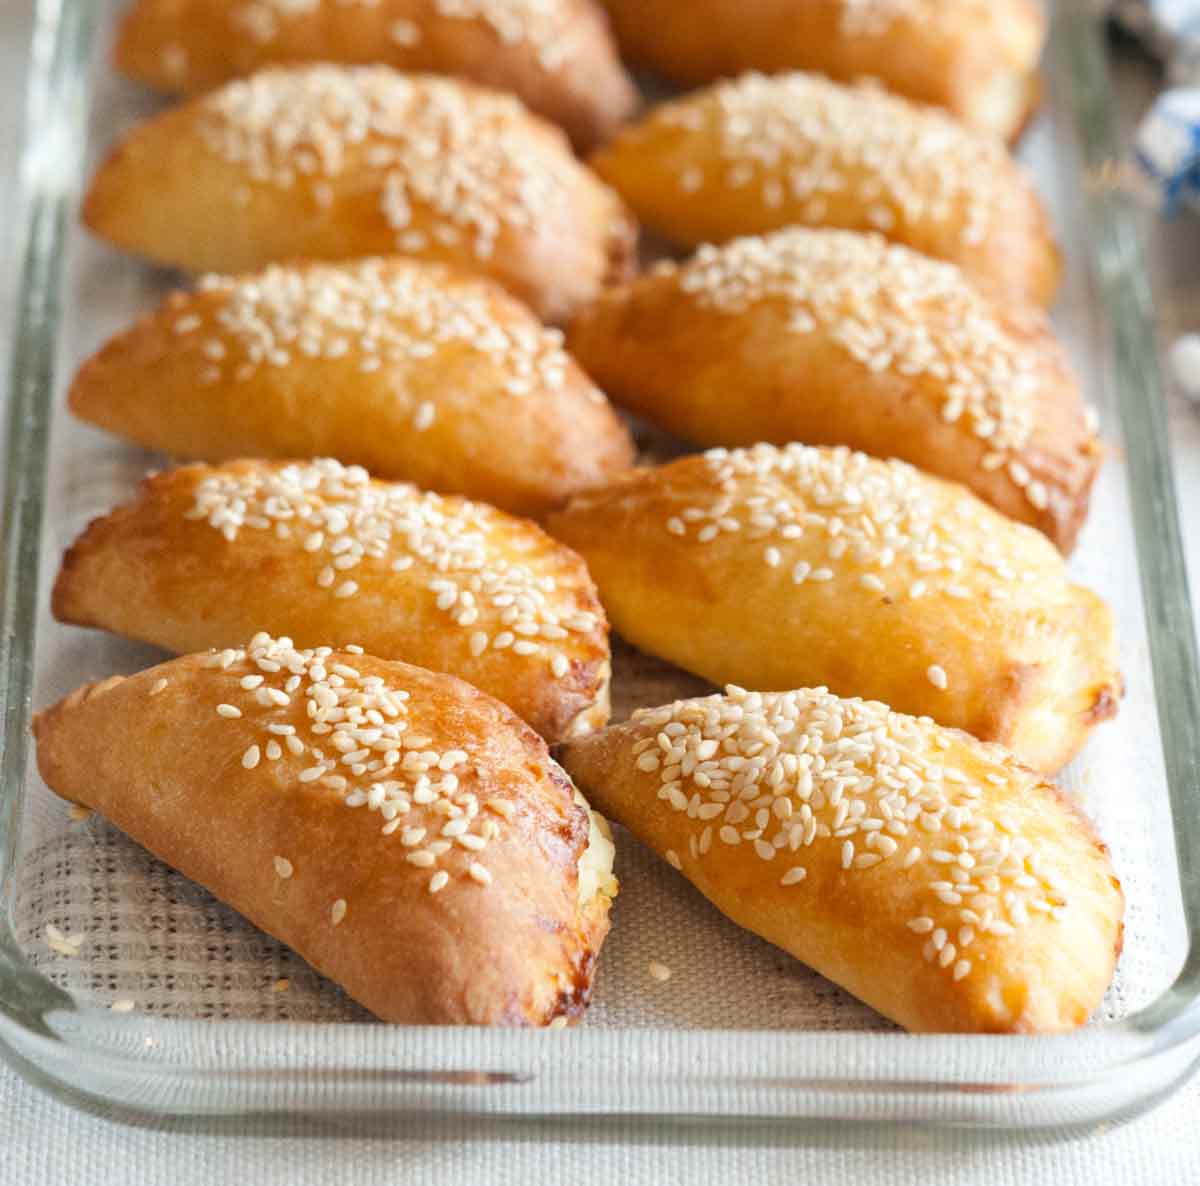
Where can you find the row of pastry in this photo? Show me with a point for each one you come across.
(408, 832)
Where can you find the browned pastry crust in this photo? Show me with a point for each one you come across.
(494, 931)
(798, 567)
(977, 58)
(762, 153)
(406, 368)
(932, 876)
(558, 57)
(837, 337)
(199, 559)
(333, 163)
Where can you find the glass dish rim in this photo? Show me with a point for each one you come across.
(32, 1009)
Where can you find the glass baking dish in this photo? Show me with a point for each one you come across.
(741, 1032)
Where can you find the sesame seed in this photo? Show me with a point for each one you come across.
(77, 813)
(123, 1005)
(478, 873)
(251, 757)
(937, 676)
(158, 686)
(794, 876)
(228, 711)
(283, 868)
(337, 911)
(672, 859)
(439, 881)
(658, 971)
(424, 416)
(281, 985)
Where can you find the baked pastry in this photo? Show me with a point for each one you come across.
(840, 338)
(319, 551)
(403, 832)
(932, 876)
(797, 567)
(329, 162)
(759, 154)
(558, 56)
(977, 58)
(403, 367)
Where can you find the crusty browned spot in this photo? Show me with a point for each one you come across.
(1106, 703)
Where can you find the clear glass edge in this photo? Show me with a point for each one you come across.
(43, 1031)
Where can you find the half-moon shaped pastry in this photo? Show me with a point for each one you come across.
(797, 567)
(556, 55)
(329, 162)
(759, 154)
(319, 551)
(403, 832)
(405, 368)
(840, 338)
(932, 876)
(977, 58)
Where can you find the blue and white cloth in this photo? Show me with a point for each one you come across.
(1168, 141)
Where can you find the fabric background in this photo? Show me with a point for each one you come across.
(42, 1141)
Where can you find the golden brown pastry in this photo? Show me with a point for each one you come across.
(840, 338)
(330, 162)
(405, 368)
(317, 551)
(556, 55)
(759, 154)
(403, 832)
(977, 58)
(932, 876)
(797, 567)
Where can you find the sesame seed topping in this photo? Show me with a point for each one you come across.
(123, 1005)
(453, 547)
(439, 881)
(873, 18)
(77, 813)
(158, 686)
(888, 309)
(281, 985)
(542, 26)
(462, 156)
(879, 522)
(937, 677)
(337, 911)
(230, 711)
(845, 768)
(358, 744)
(658, 971)
(804, 140)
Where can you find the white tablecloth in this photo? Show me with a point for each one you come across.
(43, 1142)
